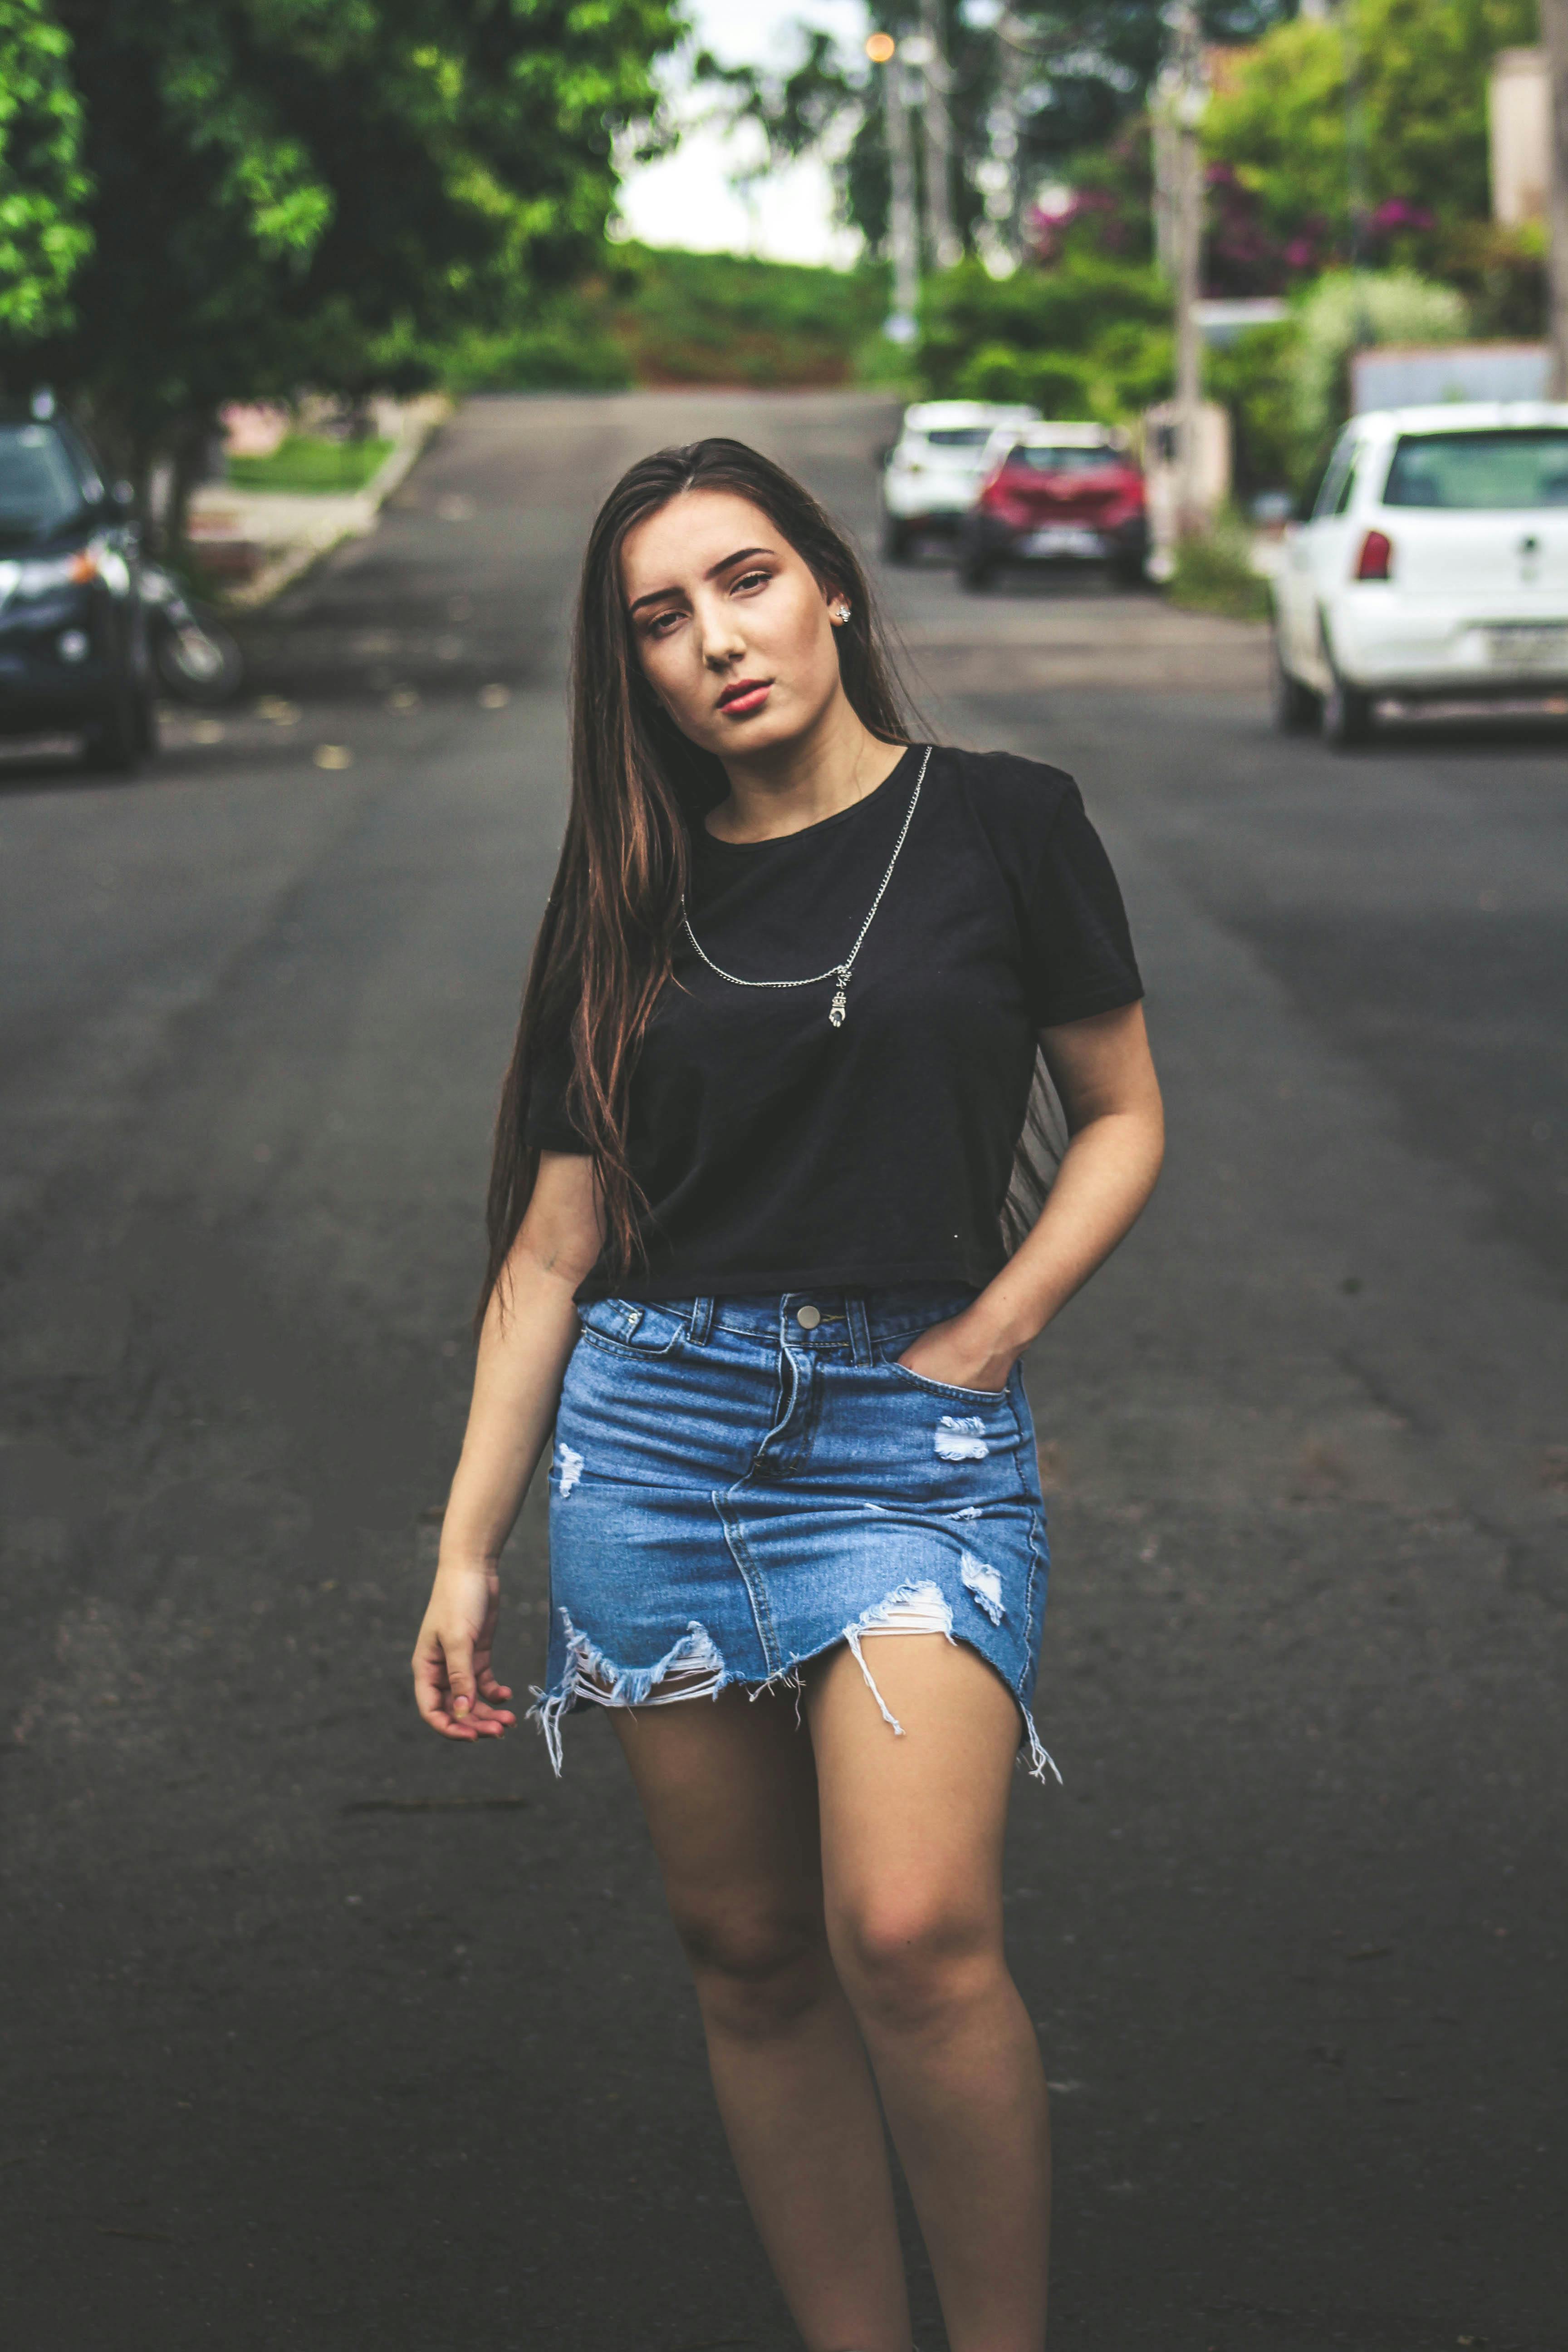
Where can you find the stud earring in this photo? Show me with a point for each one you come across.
(838, 613)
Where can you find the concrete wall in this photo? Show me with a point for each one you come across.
(1518, 115)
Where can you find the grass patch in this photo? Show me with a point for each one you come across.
(660, 316)
(1213, 573)
(720, 318)
(305, 461)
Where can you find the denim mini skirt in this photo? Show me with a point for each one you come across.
(739, 1484)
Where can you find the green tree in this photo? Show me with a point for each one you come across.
(286, 193)
(1079, 74)
(1086, 70)
(1417, 112)
(43, 188)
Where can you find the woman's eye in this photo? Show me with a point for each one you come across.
(753, 579)
(661, 624)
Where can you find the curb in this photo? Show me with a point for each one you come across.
(356, 516)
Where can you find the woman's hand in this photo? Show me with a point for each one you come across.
(530, 1330)
(1105, 1077)
(453, 1686)
(959, 1353)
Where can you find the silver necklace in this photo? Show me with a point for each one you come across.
(838, 971)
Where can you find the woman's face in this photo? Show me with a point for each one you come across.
(729, 626)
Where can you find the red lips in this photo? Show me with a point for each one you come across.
(746, 695)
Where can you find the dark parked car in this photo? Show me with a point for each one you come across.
(1057, 493)
(73, 629)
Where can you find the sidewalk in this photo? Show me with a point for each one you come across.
(256, 542)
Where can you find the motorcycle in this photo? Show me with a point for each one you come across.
(195, 657)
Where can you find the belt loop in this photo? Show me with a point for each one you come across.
(702, 1321)
(859, 1326)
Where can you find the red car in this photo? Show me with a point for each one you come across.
(1053, 494)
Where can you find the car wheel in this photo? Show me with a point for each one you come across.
(113, 744)
(1347, 715)
(895, 539)
(974, 573)
(200, 662)
(1296, 710)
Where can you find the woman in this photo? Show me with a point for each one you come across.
(768, 1116)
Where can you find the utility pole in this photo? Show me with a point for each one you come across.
(902, 323)
(943, 243)
(1555, 41)
(996, 176)
(1361, 329)
(1183, 98)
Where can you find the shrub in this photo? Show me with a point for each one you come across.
(1347, 310)
(1087, 336)
(1066, 309)
(567, 348)
(1057, 383)
(1214, 572)
(1255, 379)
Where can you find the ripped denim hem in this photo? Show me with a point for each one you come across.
(693, 1667)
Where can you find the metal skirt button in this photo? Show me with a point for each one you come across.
(808, 1318)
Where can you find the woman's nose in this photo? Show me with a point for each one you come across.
(721, 640)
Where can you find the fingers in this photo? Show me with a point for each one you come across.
(461, 1690)
(482, 1723)
(444, 1690)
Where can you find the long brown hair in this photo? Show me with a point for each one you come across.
(604, 947)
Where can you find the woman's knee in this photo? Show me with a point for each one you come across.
(758, 1964)
(911, 1963)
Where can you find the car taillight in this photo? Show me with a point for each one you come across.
(995, 491)
(1375, 560)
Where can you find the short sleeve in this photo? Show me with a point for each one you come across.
(1078, 949)
(548, 1127)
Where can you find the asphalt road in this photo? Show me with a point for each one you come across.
(321, 2034)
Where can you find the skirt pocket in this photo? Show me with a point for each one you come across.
(627, 1326)
(945, 1388)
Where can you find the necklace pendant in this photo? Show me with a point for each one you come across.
(838, 1007)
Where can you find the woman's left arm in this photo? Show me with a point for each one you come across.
(1104, 1072)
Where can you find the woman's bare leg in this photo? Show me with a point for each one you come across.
(911, 1844)
(729, 1791)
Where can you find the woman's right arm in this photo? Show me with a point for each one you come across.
(529, 1332)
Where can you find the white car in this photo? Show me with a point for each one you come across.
(934, 468)
(1434, 564)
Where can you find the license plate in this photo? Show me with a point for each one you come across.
(1529, 646)
(1062, 539)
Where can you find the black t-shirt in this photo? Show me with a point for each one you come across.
(778, 1152)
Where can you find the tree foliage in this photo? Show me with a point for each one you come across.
(1088, 338)
(43, 188)
(1076, 75)
(1086, 70)
(288, 192)
(1407, 80)
(1346, 312)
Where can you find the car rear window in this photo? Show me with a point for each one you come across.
(1517, 467)
(1063, 457)
(38, 487)
(958, 436)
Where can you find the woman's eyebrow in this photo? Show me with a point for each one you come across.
(657, 595)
